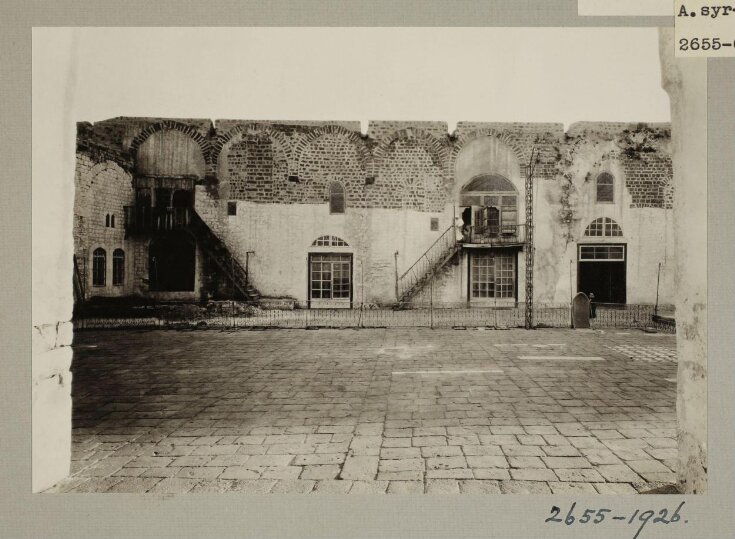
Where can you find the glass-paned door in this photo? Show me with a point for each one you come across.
(330, 280)
(492, 276)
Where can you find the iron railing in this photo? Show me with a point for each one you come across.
(434, 257)
(147, 219)
(496, 235)
(233, 314)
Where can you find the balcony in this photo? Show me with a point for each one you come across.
(147, 219)
(495, 235)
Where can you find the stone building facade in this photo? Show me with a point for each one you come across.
(332, 217)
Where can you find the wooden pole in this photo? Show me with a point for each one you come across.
(395, 257)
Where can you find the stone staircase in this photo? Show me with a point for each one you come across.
(441, 252)
(216, 250)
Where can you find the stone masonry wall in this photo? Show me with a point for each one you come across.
(407, 169)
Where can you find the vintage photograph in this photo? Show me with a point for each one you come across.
(472, 292)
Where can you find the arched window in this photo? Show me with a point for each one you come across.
(112, 220)
(603, 227)
(99, 267)
(118, 267)
(107, 220)
(605, 188)
(336, 198)
(493, 200)
(329, 241)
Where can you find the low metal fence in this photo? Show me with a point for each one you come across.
(234, 315)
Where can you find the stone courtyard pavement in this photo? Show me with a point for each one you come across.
(373, 411)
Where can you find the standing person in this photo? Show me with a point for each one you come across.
(593, 307)
(459, 229)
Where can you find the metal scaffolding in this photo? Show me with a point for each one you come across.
(529, 238)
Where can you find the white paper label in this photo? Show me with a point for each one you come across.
(704, 29)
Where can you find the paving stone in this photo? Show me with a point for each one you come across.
(566, 462)
(368, 487)
(488, 461)
(252, 486)
(454, 473)
(228, 460)
(202, 472)
(659, 477)
(137, 485)
(174, 485)
(396, 442)
(332, 448)
(578, 475)
(291, 449)
(400, 465)
(491, 439)
(271, 460)
(647, 466)
(420, 441)
(445, 463)
(614, 488)
(524, 487)
(491, 473)
(531, 439)
(191, 460)
(405, 475)
(149, 462)
(522, 450)
(281, 472)
(481, 450)
(366, 445)
(401, 452)
(406, 487)
(618, 473)
(662, 454)
(572, 488)
(369, 429)
(318, 458)
(585, 442)
(95, 484)
(442, 486)
(320, 471)
(601, 456)
(362, 468)
(241, 472)
(526, 462)
(137, 472)
(609, 434)
(168, 471)
(479, 487)
(332, 487)
(293, 486)
(533, 474)
(540, 429)
(660, 443)
(560, 451)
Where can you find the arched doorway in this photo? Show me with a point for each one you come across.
(601, 270)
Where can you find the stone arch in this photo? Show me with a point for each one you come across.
(166, 125)
(365, 157)
(503, 137)
(240, 131)
(434, 147)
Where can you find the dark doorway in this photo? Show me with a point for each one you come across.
(602, 272)
(171, 263)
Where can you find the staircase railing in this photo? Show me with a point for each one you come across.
(427, 263)
(223, 258)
